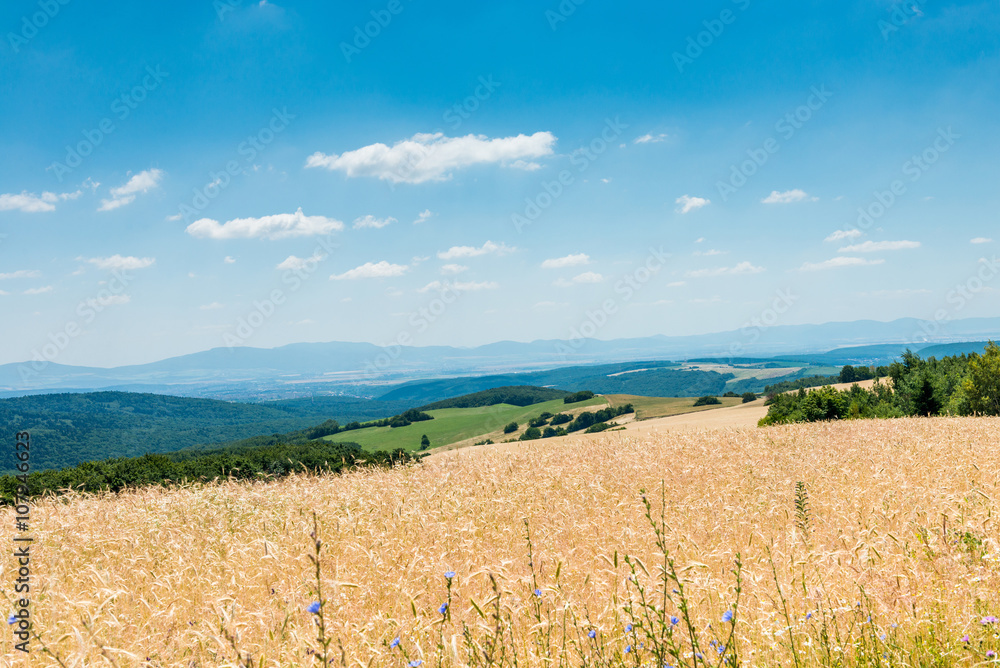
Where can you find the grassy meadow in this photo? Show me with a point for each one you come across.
(452, 425)
(647, 408)
(860, 542)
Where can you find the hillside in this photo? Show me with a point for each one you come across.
(68, 429)
(904, 577)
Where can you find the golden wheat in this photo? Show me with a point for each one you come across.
(900, 518)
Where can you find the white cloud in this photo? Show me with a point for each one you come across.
(650, 139)
(424, 216)
(788, 197)
(278, 226)
(453, 269)
(677, 284)
(568, 261)
(229, 259)
(121, 263)
(3, 293)
(438, 286)
(838, 262)
(688, 203)
(115, 300)
(21, 273)
(433, 157)
(877, 246)
(840, 235)
(140, 183)
(214, 306)
(32, 203)
(174, 217)
(294, 263)
(381, 269)
(699, 240)
(488, 248)
(981, 240)
(38, 291)
(709, 253)
(741, 268)
(587, 277)
(372, 222)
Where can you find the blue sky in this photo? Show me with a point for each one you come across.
(464, 174)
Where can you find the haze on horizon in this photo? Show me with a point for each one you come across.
(470, 174)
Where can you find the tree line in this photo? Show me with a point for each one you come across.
(955, 385)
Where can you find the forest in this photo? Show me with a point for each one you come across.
(955, 385)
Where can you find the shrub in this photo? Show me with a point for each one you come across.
(560, 418)
(707, 401)
(748, 397)
(531, 434)
(425, 442)
(510, 428)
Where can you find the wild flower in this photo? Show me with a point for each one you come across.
(12, 619)
(450, 574)
(592, 634)
(727, 616)
(395, 643)
(628, 628)
(674, 621)
(991, 654)
(538, 593)
(314, 608)
(415, 663)
(965, 638)
(628, 648)
(989, 620)
(443, 609)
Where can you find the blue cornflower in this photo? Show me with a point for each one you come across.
(809, 615)
(592, 634)
(727, 616)
(415, 663)
(394, 644)
(538, 593)
(443, 609)
(12, 619)
(720, 649)
(628, 628)
(674, 621)
(628, 649)
(450, 574)
(314, 607)
(882, 637)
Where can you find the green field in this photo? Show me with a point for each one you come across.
(653, 407)
(452, 425)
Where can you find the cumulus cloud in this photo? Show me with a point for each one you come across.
(459, 286)
(788, 197)
(279, 226)
(741, 268)
(424, 216)
(21, 273)
(294, 263)
(689, 204)
(840, 235)
(32, 203)
(381, 269)
(488, 248)
(372, 222)
(126, 194)
(588, 277)
(117, 262)
(981, 240)
(568, 261)
(229, 259)
(838, 262)
(878, 246)
(453, 269)
(434, 157)
(650, 139)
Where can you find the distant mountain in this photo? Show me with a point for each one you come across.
(363, 369)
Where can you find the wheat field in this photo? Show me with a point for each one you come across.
(891, 556)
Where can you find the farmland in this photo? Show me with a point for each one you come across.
(862, 543)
